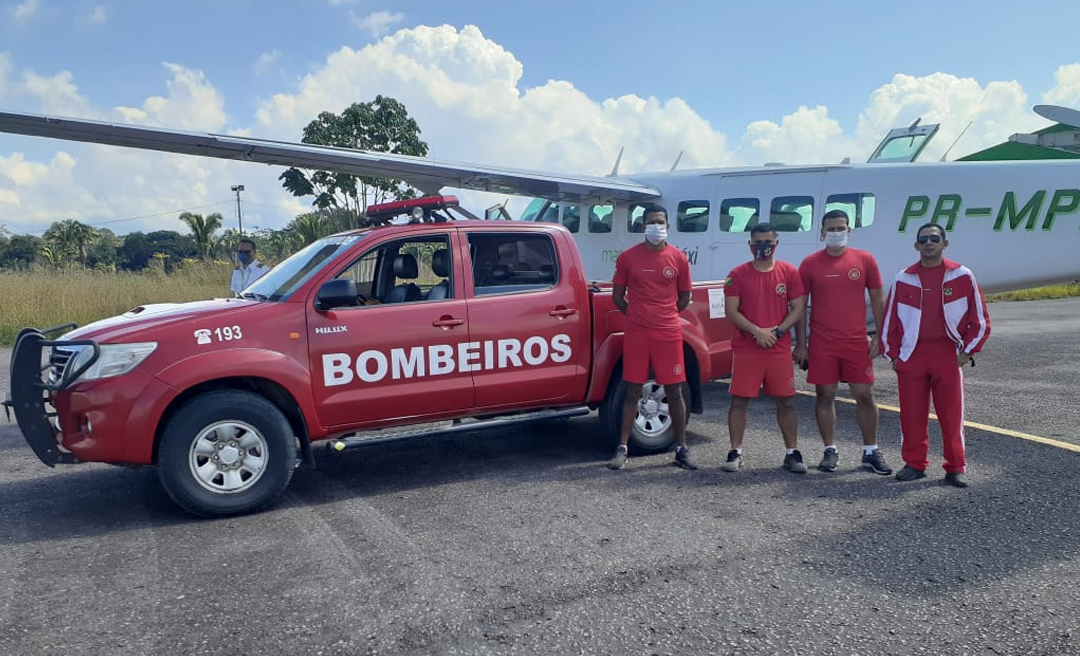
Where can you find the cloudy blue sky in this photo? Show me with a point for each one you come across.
(553, 85)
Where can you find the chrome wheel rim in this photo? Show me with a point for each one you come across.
(228, 457)
(653, 418)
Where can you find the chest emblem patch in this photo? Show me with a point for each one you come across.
(669, 272)
(854, 274)
(781, 289)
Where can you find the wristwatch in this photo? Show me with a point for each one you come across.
(779, 333)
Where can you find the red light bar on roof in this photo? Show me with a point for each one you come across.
(399, 207)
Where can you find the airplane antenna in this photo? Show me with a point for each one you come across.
(915, 124)
(615, 169)
(677, 160)
(957, 139)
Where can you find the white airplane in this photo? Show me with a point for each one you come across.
(1016, 224)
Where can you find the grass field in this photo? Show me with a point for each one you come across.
(1039, 293)
(49, 298)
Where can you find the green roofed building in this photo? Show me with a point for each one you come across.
(1055, 142)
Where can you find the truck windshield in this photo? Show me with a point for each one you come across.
(290, 275)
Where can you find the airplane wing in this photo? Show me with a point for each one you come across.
(428, 175)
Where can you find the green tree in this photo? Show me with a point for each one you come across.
(21, 251)
(275, 245)
(202, 230)
(69, 239)
(172, 247)
(135, 253)
(104, 252)
(382, 125)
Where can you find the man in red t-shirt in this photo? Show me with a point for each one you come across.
(657, 276)
(935, 321)
(837, 280)
(764, 298)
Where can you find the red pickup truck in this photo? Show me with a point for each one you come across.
(460, 323)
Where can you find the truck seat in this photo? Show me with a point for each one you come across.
(405, 267)
(440, 264)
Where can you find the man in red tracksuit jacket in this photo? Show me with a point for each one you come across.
(935, 320)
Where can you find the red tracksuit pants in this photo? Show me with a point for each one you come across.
(931, 371)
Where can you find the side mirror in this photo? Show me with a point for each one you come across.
(339, 292)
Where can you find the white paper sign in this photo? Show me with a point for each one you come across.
(716, 304)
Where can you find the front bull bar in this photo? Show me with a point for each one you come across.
(30, 392)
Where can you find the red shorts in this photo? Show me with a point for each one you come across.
(750, 370)
(641, 349)
(840, 362)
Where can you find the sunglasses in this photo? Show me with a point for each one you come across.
(763, 243)
(925, 238)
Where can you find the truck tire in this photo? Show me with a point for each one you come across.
(653, 431)
(226, 452)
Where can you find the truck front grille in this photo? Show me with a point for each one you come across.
(58, 359)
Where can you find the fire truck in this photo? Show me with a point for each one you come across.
(395, 331)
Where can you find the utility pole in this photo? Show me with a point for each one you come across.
(239, 213)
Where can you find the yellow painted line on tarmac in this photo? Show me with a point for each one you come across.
(971, 424)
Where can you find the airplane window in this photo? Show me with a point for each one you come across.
(859, 207)
(738, 214)
(571, 217)
(533, 210)
(692, 216)
(635, 218)
(600, 217)
(792, 213)
(902, 149)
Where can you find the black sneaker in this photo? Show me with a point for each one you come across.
(682, 458)
(618, 461)
(829, 461)
(909, 473)
(875, 462)
(734, 461)
(956, 479)
(793, 463)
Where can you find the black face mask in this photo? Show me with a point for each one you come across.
(762, 251)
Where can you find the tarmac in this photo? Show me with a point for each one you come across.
(521, 541)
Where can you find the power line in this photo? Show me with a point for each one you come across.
(150, 216)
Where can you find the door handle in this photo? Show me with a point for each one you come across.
(447, 322)
(562, 313)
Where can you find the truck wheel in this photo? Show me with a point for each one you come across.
(653, 431)
(226, 452)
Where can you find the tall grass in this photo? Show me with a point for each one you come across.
(1039, 293)
(48, 298)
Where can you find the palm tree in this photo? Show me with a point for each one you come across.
(202, 230)
(309, 227)
(52, 256)
(69, 237)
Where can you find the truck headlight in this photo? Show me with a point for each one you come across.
(113, 359)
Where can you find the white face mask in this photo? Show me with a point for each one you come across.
(655, 233)
(836, 239)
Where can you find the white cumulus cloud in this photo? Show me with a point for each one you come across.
(191, 104)
(465, 91)
(378, 23)
(1067, 90)
(265, 62)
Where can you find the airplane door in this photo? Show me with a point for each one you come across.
(791, 201)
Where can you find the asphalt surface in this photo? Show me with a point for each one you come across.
(522, 542)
